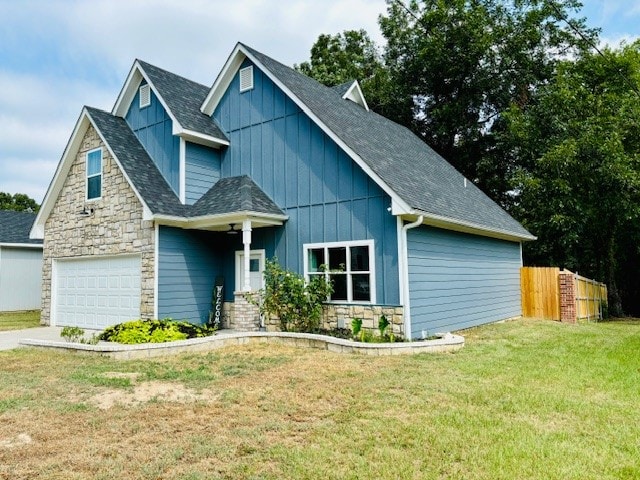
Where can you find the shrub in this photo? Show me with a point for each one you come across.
(298, 304)
(154, 331)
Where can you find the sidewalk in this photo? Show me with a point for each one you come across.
(10, 339)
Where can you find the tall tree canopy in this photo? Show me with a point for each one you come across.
(18, 202)
(348, 56)
(460, 64)
(579, 175)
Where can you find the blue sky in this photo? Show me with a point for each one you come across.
(58, 55)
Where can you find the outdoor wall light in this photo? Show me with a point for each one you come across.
(86, 212)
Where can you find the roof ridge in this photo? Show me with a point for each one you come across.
(182, 77)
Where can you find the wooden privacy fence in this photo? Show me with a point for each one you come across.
(554, 294)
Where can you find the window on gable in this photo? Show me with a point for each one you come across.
(246, 79)
(145, 95)
(349, 265)
(94, 174)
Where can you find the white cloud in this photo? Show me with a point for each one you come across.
(58, 55)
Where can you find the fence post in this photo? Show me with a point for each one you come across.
(567, 284)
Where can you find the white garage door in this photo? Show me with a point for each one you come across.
(96, 292)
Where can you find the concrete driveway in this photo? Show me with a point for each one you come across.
(11, 339)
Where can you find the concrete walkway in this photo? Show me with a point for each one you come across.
(11, 339)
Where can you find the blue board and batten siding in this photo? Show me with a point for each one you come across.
(188, 264)
(326, 195)
(459, 281)
(202, 170)
(154, 129)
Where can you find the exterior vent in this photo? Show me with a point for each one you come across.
(246, 79)
(145, 95)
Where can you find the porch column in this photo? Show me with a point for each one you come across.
(246, 240)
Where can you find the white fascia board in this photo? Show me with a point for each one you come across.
(128, 91)
(60, 175)
(22, 245)
(146, 213)
(223, 80)
(201, 138)
(469, 227)
(356, 95)
(222, 219)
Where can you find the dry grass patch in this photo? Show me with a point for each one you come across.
(522, 400)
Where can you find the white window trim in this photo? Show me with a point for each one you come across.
(87, 176)
(239, 265)
(246, 71)
(350, 243)
(147, 88)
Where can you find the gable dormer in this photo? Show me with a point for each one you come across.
(163, 110)
(354, 93)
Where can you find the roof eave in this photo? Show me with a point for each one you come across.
(21, 245)
(202, 138)
(470, 227)
(223, 219)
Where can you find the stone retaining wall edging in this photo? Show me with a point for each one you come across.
(448, 343)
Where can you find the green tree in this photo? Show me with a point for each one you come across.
(579, 180)
(458, 65)
(347, 56)
(18, 202)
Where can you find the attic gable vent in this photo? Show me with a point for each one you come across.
(145, 95)
(246, 79)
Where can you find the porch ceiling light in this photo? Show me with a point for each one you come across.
(232, 230)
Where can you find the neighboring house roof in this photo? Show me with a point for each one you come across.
(15, 227)
(414, 171)
(184, 98)
(343, 88)
(235, 194)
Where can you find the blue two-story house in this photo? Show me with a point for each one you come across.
(181, 184)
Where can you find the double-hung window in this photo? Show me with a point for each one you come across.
(349, 265)
(94, 174)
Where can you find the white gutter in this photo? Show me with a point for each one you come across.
(405, 275)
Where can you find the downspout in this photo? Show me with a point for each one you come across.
(405, 275)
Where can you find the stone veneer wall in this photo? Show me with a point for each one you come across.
(340, 316)
(115, 227)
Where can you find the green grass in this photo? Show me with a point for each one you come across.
(19, 320)
(525, 399)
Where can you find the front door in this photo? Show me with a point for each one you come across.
(256, 269)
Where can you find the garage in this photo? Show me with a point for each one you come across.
(96, 292)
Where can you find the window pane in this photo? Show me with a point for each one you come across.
(316, 258)
(338, 258)
(94, 163)
(360, 259)
(339, 286)
(254, 265)
(361, 287)
(94, 187)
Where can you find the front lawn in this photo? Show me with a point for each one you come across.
(19, 320)
(526, 399)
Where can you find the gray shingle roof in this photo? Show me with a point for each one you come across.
(15, 227)
(235, 194)
(184, 98)
(414, 171)
(137, 164)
